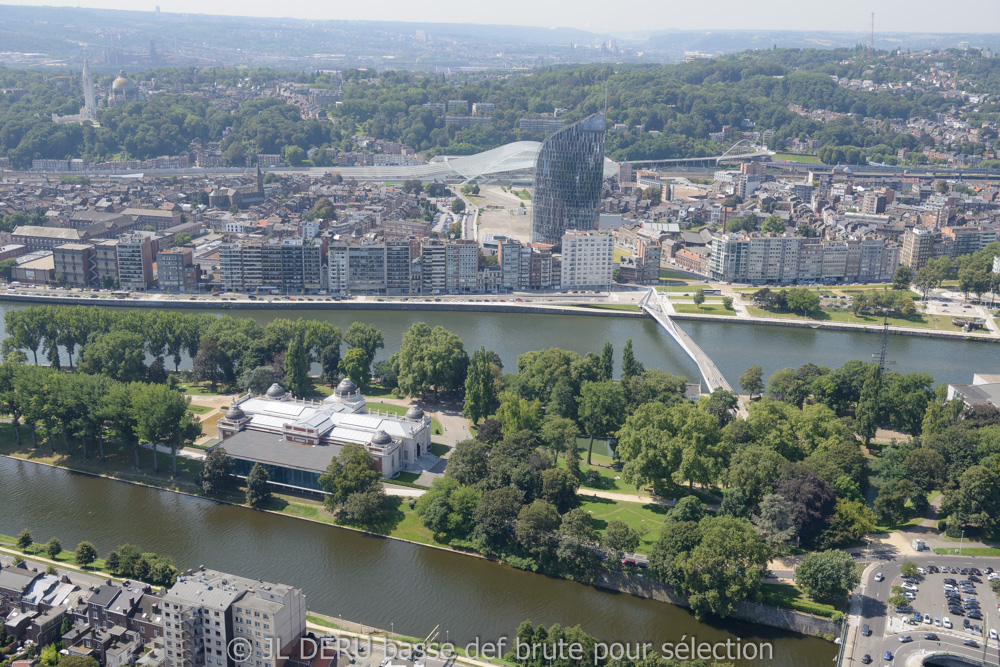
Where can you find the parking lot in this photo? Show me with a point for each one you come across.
(971, 609)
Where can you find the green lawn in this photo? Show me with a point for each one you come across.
(689, 289)
(200, 389)
(619, 254)
(608, 477)
(199, 409)
(796, 157)
(791, 597)
(921, 320)
(671, 274)
(401, 410)
(705, 309)
(439, 450)
(644, 519)
(970, 551)
(524, 194)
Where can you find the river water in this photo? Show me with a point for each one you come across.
(367, 579)
(733, 347)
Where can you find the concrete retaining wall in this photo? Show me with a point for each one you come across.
(775, 617)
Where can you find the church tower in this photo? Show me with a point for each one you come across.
(89, 104)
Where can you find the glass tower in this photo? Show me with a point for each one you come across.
(569, 173)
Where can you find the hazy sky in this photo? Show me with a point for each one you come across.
(601, 15)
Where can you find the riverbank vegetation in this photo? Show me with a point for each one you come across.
(794, 472)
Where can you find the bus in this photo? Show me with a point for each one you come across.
(119, 295)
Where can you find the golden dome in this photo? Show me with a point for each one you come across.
(122, 82)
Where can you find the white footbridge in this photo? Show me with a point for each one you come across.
(652, 305)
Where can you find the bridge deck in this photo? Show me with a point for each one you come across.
(714, 378)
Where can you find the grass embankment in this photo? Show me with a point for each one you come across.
(619, 255)
(969, 551)
(673, 274)
(921, 320)
(690, 288)
(703, 309)
(792, 597)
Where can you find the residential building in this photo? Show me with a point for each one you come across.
(586, 259)
(205, 611)
(919, 247)
(45, 238)
(569, 173)
(135, 262)
(158, 219)
(76, 263)
(176, 270)
(106, 262)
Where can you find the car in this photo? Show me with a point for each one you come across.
(993, 634)
(950, 581)
(975, 615)
(910, 587)
(910, 580)
(937, 622)
(946, 622)
(910, 595)
(931, 637)
(879, 576)
(927, 619)
(988, 570)
(887, 656)
(965, 623)
(970, 642)
(905, 639)
(975, 579)
(866, 659)
(866, 631)
(628, 562)
(977, 630)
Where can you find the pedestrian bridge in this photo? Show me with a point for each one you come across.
(709, 372)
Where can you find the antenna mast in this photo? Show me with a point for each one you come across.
(871, 34)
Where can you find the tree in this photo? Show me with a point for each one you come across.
(535, 526)
(725, 568)
(607, 366)
(976, 501)
(24, 540)
(117, 354)
(479, 387)
(559, 434)
(890, 504)
(161, 417)
(908, 568)
(495, 516)
(53, 548)
(366, 338)
(297, 367)
(602, 408)
(457, 205)
(578, 523)
(902, 278)
(517, 414)
(774, 521)
(773, 224)
(802, 301)
(699, 297)
(812, 500)
(619, 539)
(941, 187)
(469, 461)
(559, 488)
(353, 471)
(430, 358)
(828, 576)
(752, 380)
(630, 367)
(355, 366)
(112, 562)
(734, 504)
(85, 554)
(867, 415)
(215, 473)
(211, 364)
(852, 520)
(926, 468)
(258, 489)
(364, 508)
(259, 379)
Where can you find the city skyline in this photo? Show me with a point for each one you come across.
(891, 16)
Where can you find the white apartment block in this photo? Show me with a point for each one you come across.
(205, 612)
(785, 258)
(587, 259)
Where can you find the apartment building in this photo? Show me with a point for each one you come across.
(785, 258)
(76, 263)
(919, 247)
(135, 262)
(289, 265)
(106, 261)
(206, 611)
(176, 270)
(587, 259)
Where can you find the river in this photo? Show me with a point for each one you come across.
(363, 578)
(733, 347)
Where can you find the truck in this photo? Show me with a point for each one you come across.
(919, 545)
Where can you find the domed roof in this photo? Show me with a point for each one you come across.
(381, 438)
(346, 388)
(235, 413)
(122, 82)
(275, 391)
(414, 413)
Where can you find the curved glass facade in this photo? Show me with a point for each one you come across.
(569, 173)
